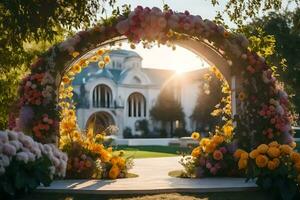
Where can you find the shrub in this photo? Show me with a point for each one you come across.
(26, 164)
(127, 132)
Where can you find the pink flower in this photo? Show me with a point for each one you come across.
(202, 161)
(208, 165)
(9, 150)
(223, 150)
(213, 170)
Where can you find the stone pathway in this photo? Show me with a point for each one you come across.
(153, 178)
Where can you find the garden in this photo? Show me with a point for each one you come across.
(252, 143)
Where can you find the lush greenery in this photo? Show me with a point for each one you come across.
(277, 37)
(152, 151)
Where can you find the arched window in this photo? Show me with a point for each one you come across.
(102, 96)
(137, 106)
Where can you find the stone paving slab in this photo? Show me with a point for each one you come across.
(153, 178)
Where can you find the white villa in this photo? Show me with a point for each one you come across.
(124, 92)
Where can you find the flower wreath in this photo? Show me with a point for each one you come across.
(263, 108)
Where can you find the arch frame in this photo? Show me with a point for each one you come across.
(249, 70)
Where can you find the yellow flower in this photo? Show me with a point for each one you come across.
(195, 135)
(196, 152)
(100, 52)
(228, 130)
(273, 152)
(66, 80)
(204, 141)
(76, 69)
(242, 163)
(286, 149)
(101, 64)
(75, 54)
(271, 165)
(238, 153)
(254, 153)
(261, 161)
(106, 59)
(242, 96)
(274, 144)
(121, 153)
(114, 172)
(263, 148)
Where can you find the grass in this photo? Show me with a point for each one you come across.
(152, 151)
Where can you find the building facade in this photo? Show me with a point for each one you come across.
(124, 92)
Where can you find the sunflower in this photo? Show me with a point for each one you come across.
(195, 136)
(242, 96)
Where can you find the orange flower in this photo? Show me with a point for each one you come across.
(75, 54)
(218, 155)
(242, 163)
(263, 148)
(238, 152)
(242, 96)
(244, 156)
(273, 152)
(271, 165)
(286, 149)
(106, 59)
(100, 52)
(101, 64)
(274, 144)
(261, 161)
(254, 153)
(295, 157)
(196, 152)
(114, 172)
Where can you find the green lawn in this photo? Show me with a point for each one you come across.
(152, 151)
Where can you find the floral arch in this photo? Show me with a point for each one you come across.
(262, 110)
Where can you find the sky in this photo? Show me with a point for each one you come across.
(181, 59)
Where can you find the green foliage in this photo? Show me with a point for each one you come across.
(21, 178)
(239, 11)
(277, 38)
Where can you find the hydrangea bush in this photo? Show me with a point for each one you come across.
(25, 164)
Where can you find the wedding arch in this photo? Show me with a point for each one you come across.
(260, 107)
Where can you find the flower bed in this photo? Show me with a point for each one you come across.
(25, 164)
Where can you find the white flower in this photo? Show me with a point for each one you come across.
(4, 160)
(16, 144)
(22, 156)
(12, 135)
(9, 149)
(31, 157)
(3, 137)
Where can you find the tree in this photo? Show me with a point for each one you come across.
(209, 96)
(167, 109)
(278, 38)
(240, 11)
(28, 28)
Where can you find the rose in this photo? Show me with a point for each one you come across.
(217, 155)
(263, 148)
(273, 152)
(261, 161)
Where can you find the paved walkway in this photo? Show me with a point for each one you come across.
(153, 178)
